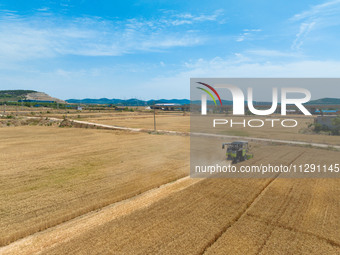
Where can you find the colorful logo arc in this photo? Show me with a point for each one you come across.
(209, 93)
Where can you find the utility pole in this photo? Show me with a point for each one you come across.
(154, 117)
(5, 109)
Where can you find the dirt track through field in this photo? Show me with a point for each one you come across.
(40, 241)
(253, 139)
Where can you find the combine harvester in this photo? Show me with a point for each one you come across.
(237, 151)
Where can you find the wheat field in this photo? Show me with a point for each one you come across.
(228, 216)
(49, 175)
(52, 176)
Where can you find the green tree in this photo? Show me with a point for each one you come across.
(336, 128)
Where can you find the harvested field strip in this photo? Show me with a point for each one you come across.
(257, 198)
(188, 221)
(295, 216)
(248, 236)
(276, 225)
(78, 171)
(224, 229)
(68, 230)
(182, 223)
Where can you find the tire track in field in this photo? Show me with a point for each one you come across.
(258, 196)
(273, 224)
(36, 243)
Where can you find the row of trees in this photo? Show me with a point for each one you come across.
(335, 130)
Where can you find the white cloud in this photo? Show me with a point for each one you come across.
(247, 34)
(181, 22)
(42, 36)
(273, 53)
(44, 9)
(65, 83)
(252, 30)
(316, 17)
(305, 28)
(242, 67)
(188, 18)
(326, 9)
(245, 66)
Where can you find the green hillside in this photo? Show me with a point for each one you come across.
(325, 101)
(13, 95)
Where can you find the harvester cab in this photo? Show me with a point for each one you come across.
(237, 151)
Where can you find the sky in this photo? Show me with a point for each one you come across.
(150, 49)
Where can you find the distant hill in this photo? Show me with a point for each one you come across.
(128, 102)
(40, 96)
(325, 101)
(137, 102)
(16, 95)
(169, 101)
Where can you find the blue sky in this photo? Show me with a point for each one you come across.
(150, 49)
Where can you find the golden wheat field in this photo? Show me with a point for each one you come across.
(50, 175)
(91, 191)
(227, 216)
